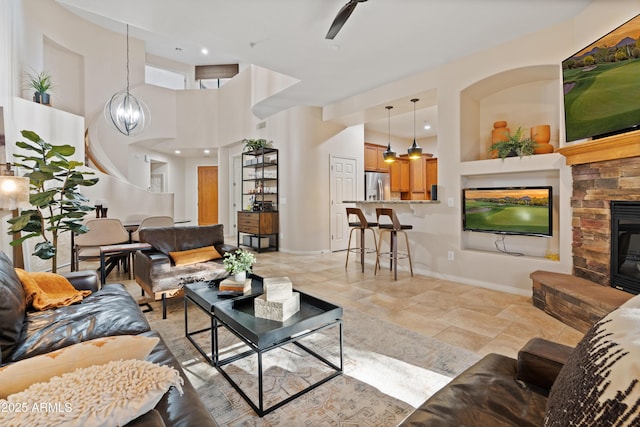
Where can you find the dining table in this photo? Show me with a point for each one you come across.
(131, 225)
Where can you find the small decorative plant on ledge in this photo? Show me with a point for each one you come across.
(239, 263)
(41, 84)
(515, 145)
(58, 206)
(256, 144)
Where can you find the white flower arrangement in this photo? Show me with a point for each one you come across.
(238, 261)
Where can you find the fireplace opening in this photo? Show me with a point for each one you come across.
(625, 246)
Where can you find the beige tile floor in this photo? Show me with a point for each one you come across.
(478, 319)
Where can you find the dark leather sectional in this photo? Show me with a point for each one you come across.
(497, 391)
(106, 312)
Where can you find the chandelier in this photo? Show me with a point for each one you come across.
(127, 113)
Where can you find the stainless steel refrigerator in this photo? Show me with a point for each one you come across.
(377, 186)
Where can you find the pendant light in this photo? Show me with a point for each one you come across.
(127, 113)
(389, 155)
(415, 152)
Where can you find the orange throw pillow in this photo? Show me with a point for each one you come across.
(193, 256)
(48, 290)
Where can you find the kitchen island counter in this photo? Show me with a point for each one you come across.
(393, 202)
(418, 208)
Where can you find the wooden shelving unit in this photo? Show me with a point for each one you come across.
(258, 222)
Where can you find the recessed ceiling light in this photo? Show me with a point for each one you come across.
(207, 151)
(177, 151)
(205, 51)
(427, 126)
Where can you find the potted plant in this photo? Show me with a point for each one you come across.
(238, 264)
(58, 206)
(255, 144)
(40, 83)
(515, 144)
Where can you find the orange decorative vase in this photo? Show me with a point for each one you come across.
(541, 134)
(499, 133)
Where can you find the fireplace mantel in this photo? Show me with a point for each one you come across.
(610, 148)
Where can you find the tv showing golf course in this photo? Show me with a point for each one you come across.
(601, 85)
(502, 210)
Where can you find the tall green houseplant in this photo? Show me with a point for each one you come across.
(57, 203)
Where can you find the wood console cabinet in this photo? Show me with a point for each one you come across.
(258, 222)
(258, 230)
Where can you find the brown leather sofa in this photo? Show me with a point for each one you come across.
(497, 390)
(156, 272)
(106, 312)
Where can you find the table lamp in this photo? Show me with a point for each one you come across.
(14, 195)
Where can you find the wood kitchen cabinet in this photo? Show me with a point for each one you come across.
(373, 160)
(431, 173)
(417, 179)
(413, 178)
(400, 175)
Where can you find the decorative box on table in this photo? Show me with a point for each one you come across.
(279, 302)
(231, 285)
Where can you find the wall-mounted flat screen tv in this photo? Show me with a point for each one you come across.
(601, 85)
(508, 210)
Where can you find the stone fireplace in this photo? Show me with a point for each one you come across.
(603, 171)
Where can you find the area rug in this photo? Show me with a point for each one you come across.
(388, 371)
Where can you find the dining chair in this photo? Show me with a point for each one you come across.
(102, 232)
(152, 221)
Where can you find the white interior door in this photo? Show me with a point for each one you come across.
(157, 183)
(343, 187)
(236, 194)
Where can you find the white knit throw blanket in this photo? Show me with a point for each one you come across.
(104, 395)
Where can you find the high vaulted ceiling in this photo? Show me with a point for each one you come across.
(382, 41)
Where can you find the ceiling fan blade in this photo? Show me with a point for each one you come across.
(341, 18)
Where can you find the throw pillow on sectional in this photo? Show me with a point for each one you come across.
(600, 383)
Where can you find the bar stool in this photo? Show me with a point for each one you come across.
(393, 229)
(362, 224)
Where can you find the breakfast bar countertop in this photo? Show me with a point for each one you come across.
(396, 202)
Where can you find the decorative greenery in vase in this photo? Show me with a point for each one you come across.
(58, 206)
(40, 82)
(238, 261)
(255, 144)
(515, 145)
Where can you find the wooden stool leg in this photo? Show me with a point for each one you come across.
(375, 243)
(362, 248)
(394, 255)
(406, 239)
(375, 270)
(348, 248)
